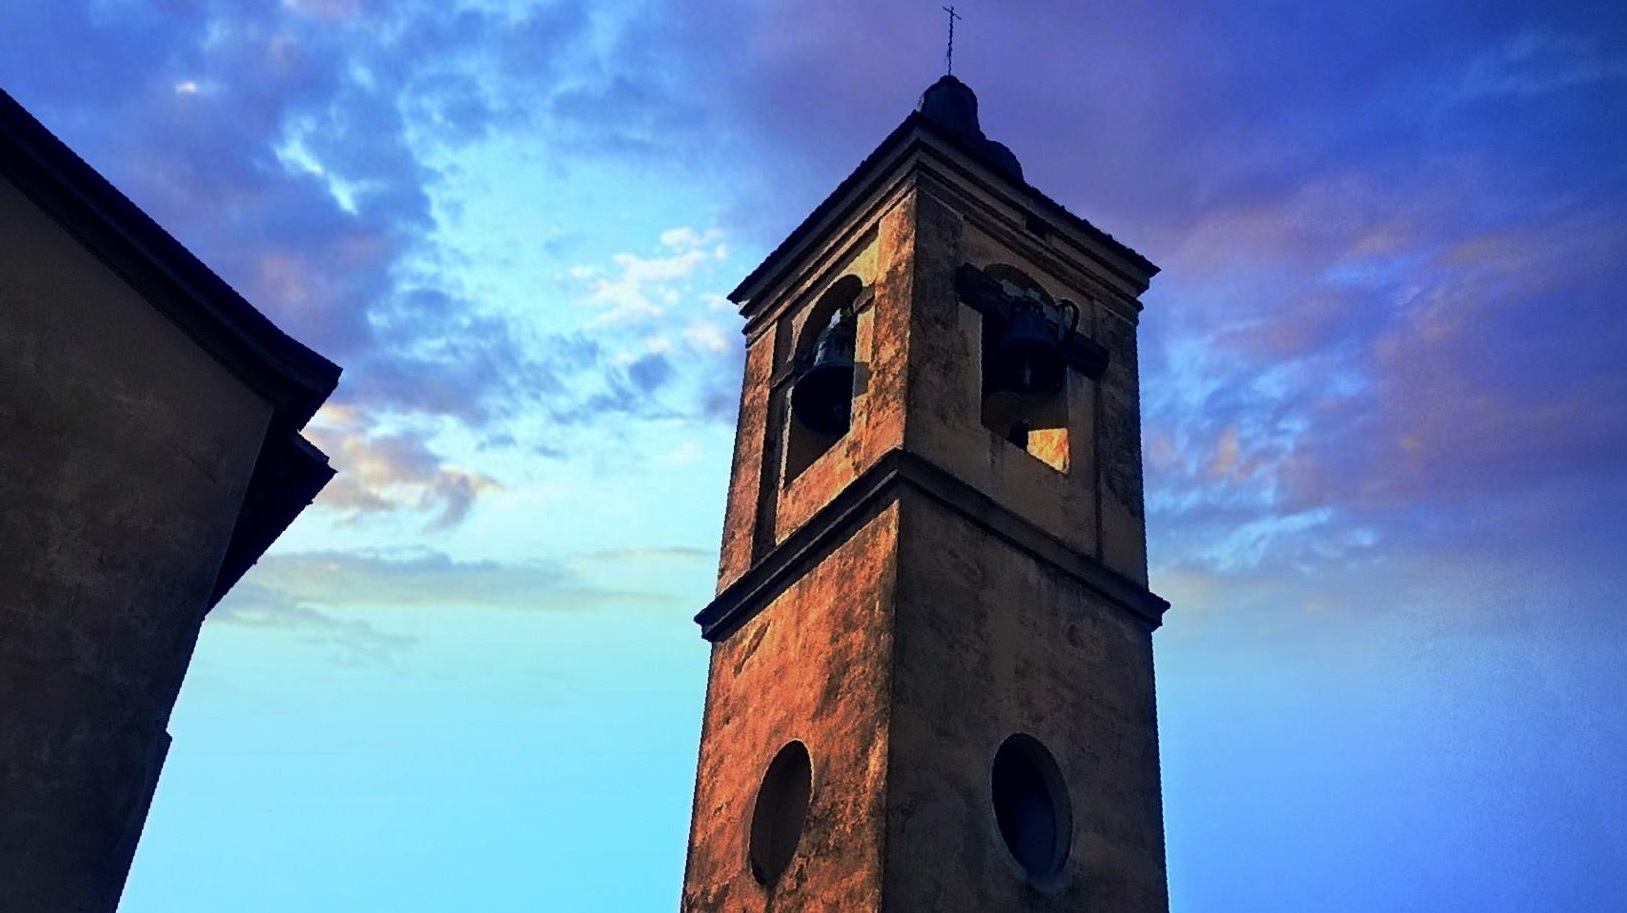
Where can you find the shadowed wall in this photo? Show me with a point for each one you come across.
(148, 454)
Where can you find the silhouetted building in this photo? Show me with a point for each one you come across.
(931, 683)
(149, 453)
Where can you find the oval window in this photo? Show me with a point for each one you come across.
(782, 809)
(1031, 805)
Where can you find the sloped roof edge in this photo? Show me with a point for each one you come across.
(294, 378)
(918, 122)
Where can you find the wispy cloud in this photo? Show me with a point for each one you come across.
(291, 144)
(1388, 243)
(392, 471)
(318, 594)
(1532, 63)
(639, 289)
(428, 579)
(352, 641)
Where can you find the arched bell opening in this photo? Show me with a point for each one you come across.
(1025, 368)
(823, 377)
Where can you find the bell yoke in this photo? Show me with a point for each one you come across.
(1033, 352)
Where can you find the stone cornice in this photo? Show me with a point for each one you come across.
(914, 135)
(872, 492)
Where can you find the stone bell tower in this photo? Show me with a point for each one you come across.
(931, 682)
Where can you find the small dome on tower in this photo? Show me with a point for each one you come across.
(952, 105)
(1002, 158)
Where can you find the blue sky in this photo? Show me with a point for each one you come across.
(1384, 425)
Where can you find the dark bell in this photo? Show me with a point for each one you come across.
(1029, 359)
(822, 397)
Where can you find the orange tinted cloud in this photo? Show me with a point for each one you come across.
(391, 472)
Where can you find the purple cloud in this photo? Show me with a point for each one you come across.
(1356, 219)
(287, 145)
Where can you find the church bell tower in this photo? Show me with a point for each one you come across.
(931, 682)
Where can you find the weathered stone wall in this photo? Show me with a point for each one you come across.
(813, 666)
(125, 452)
(766, 503)
(1095, 506)
(989, 642)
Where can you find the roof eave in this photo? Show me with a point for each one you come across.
(778, 260)
(294, 378)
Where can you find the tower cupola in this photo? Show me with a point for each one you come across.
(952, 105)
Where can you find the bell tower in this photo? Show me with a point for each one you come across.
(931, 680)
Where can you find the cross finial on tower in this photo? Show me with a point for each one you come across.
(949, 55)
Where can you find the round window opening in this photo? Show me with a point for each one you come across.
(781, 811)
(1031, 806)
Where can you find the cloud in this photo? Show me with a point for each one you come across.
(1387, 235)
(641, 289)
(1533, 63)
(424, 579)
(1405, 379)
(336, 10)
(391, 471)
(650, 346)
(1387, 297)
(354, 641)
(290, 145)
(604, 381)
(310, 592)
(299, 148)
(1379, 368)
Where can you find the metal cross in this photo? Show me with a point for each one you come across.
(949, 56)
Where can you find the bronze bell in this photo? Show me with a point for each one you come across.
(1029, 359)
(822, 396)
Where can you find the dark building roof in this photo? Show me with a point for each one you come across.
(294, 379)
(947, 111)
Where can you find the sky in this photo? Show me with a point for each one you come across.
(1383, 416)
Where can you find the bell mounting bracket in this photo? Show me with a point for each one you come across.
(989, 297)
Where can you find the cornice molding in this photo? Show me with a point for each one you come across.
(871, 493)
(915, 135)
